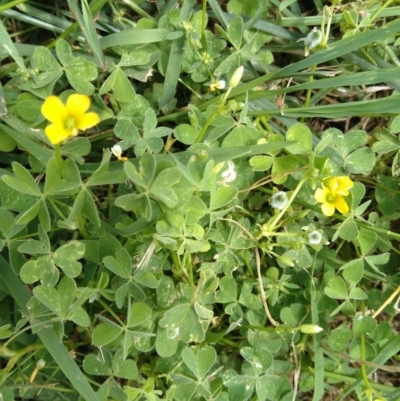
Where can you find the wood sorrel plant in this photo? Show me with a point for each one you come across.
(197, 222)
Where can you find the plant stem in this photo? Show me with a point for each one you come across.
(275, 220)
(59, 159)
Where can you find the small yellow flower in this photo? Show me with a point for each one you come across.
(66, 120)
(339, 185)
(330, 201)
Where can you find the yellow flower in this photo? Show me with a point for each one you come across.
(339, 185)
(66, 120)
(330, 201)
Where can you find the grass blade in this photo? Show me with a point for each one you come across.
(86, 23)
(175, 58)
(8, 45)
(134, 37)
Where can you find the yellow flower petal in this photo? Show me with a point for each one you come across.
(341, 205)
(327, 209)
(340, 185)
(56, 133)
(88, 120)
(77, 105)
(53, 109)
(320, 195)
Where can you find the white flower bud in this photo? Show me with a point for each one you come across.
(314, 237)
(279, 200)
(236, 77)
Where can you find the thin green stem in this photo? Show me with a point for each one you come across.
(275, 220)
(111, 312)
(191, 281)
(55, 207)
(204, 25)
(363, 355)
(309, 91)
(177, 264)
(376, 14)
(205, 126)
(59, 159)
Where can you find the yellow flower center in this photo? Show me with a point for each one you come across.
(70, 123)
(330, 198)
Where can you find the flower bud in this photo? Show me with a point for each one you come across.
(310, 329)
(279, 200)
(236, 77)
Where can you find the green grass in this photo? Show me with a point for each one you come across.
(200, 266)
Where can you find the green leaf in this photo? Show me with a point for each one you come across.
(139, 203)
(68, 184)
(166, 342)
(337, 288)
(23, 181)
(302, 135)
(363, 325)
(281, 167)
(266, 387)
(127, 131)
(63, 50)
(235, 31)
(124, 369)
(227, 290)
(7, 143)
(145, 175)
(242, 136)
(121, 266)
(79, 74)
(30, 214)
(347, 230)
(339, 338)
(31, 272)
(185, 320)
(260, 359)
(221, 197)
(357, 293)
(47, 336)
(162, 186)
(261, 163)
(97, 365)
(138, 314)
(28, 108)
(104, 333)
(362, 161)
(353, 271)
(201, 361)
(119, 84)
(186, 134)
(66, 257)
(367, 240)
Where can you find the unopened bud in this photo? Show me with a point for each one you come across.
(310, 329)
(236, 77)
